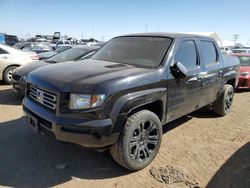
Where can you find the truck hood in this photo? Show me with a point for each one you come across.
(83, 76)
(244, 68)
(24, 70)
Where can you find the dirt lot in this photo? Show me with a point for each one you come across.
(198, 150)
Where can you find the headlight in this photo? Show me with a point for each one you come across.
(244, 73)
(81, 101)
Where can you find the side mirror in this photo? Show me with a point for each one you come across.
(179, 70)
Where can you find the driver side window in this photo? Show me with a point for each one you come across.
(186, 54)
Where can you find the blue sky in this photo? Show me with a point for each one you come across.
(110, 18)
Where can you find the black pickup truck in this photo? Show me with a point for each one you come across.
(122, 96)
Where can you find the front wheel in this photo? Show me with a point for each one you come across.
(223, 104)
(139, 142)
(7, 75)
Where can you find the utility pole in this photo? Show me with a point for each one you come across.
(248, 42)
(146, 28)
(235, 37)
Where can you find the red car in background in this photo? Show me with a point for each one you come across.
(244, 81)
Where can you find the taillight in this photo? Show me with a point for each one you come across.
(35, 57)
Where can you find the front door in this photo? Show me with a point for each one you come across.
(184, 93)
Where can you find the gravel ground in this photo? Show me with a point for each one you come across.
(198, 150)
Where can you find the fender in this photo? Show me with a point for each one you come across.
(232, 73)
(130, 101)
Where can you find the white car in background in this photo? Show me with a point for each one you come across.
(11, 58)
(59, 44)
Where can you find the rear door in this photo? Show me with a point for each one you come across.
(212, 75)
(184, 93)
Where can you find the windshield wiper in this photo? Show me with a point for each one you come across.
(50, 61)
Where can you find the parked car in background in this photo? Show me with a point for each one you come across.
(226, 50)
(47, 55)
(120, 98)
(89, 42)
(8, 39)
(75, 53)
(34, 46)
(10, 59)
(59, 44)
(244, 81)
(241, 50)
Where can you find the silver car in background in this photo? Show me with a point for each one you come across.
(11, 58)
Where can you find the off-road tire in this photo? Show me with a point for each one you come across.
(223, 104)
(121, 150)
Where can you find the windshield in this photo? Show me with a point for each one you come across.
(68, 55)
(63, 48)
(244, 61)
(145, 52)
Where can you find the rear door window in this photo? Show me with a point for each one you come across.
(208, 54)
(186, 54)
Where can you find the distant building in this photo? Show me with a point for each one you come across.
(227, 43)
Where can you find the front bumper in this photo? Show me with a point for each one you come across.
(88, 133)
(19, 86)
(244, 82)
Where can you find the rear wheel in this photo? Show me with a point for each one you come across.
(223, 104)
(7, 75)
(139, 142)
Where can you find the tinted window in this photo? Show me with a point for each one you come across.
(137, 51)
(67, 42)
(60, 42)
(186, 54)
(208, 53)
(3, 51)
(69, 55)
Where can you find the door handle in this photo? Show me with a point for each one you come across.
(4, 57)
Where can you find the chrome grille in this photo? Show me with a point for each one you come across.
(43, 97)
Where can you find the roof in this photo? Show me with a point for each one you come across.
(213, 35)
(171, 35)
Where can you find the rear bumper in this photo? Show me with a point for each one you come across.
(91, 133)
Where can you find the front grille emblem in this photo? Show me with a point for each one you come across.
(39, 96)
(43, 97)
